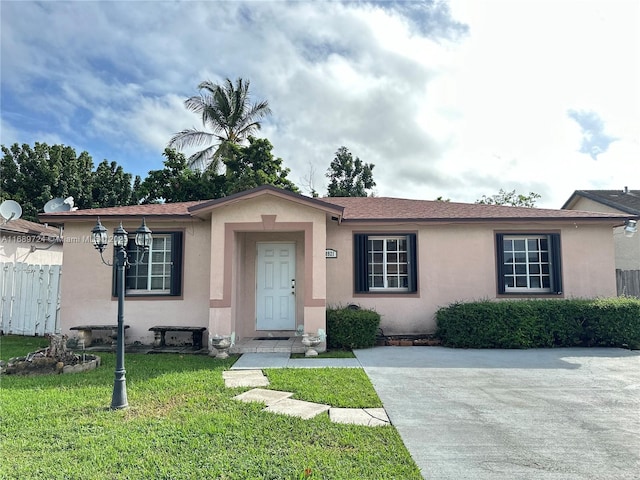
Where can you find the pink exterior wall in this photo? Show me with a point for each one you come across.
(458, 263)
(235, 230)
(86, 290)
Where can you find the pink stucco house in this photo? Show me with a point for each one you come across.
(269, 262)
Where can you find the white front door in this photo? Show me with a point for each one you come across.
(275, 286)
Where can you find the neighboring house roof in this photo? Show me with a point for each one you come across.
(39, 231)
(626, 200)
(348, 209)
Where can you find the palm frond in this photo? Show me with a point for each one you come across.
(204, 159)
(191, 138)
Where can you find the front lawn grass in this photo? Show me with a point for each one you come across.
(16, 346)
(183, 424)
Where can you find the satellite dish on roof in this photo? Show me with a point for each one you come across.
(10, 210)
(57, 205)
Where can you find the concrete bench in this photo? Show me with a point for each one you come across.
(85, 333)
(161, 330)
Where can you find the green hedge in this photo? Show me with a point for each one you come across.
(613, 322)
(349, 328)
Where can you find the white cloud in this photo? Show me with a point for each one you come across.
(440, 111)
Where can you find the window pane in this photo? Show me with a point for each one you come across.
(521, 281)
(526, 263)
(388, 263)
(154, 274)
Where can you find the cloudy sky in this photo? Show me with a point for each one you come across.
(456, 99)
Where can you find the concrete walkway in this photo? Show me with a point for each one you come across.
(281, 402)
(543, 414)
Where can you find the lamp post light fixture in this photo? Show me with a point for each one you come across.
(120, 240)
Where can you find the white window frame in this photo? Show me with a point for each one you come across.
(385, 264)
(528, 265)
(148, 260)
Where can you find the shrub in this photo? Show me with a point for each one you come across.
(613, 322)
(350, 328)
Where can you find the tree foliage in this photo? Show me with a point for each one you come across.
(349, 177)
(34, 175)
(510, 198)
(176, 182)
(226, 110)
(254, 165)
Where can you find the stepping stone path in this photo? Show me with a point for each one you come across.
(281, 402)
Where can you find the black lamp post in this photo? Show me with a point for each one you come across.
(120, 241)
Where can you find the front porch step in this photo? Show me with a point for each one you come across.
(253, 345)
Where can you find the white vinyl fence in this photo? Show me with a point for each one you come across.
(29, 298)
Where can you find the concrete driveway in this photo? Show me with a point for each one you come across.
(513, 414)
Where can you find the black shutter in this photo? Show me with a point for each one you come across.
(176, 263)
(500, 261)
(412, 259)
(360, 263)
(556, 263)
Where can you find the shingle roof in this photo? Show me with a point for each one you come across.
(354, 209)
(627, 201)
(178, 209)
(25, 227)
(390, 209)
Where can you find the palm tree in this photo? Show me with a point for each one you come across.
(226, 110)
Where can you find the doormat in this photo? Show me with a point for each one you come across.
(271, 338)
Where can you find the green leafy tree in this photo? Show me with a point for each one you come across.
(349, 177)
(34, 175)
(254, 165)
(510, 198)
(112, 186)
(176, 182)
(226, 110)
